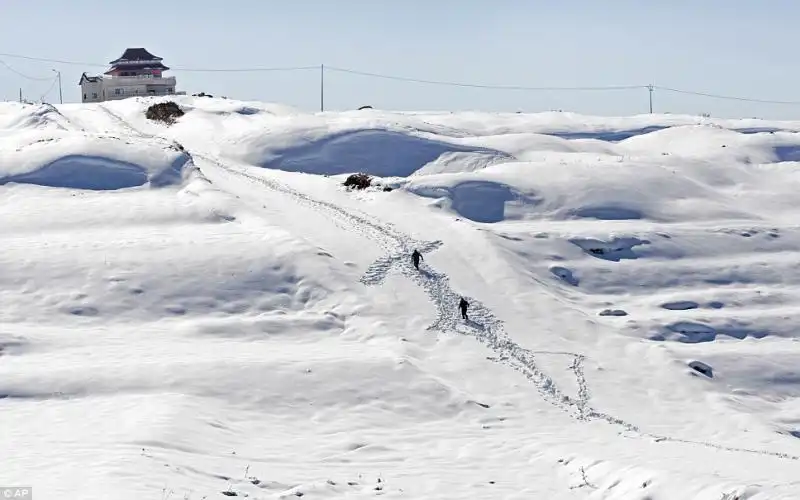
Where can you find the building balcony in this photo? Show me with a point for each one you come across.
(114, 94)
(139, 80)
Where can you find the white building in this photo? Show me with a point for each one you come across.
(136, 73)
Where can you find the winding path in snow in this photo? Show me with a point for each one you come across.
(483, 325)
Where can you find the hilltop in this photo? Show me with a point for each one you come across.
(203, 307)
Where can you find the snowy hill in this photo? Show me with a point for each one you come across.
(202, 310)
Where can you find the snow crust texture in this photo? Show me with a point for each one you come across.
(203, 310)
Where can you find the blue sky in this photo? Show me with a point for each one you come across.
(729, 47)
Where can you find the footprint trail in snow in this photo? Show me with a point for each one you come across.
(484, 326)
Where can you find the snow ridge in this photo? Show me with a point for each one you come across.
(489, 330)
(483, 324)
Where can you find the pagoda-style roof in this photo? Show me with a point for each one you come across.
(134, 55)
(137, 67)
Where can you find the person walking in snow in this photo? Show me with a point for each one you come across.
(463, 305)
(415, 256)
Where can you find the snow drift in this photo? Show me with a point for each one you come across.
(260, 331)
(32, 152)
(493, 167)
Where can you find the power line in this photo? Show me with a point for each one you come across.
(403, 79)
(731, 98)
(59, 61)
(49, 89)
(244, 70)
(205, 70)
(23, 75)
(344, 70)
(478, 86)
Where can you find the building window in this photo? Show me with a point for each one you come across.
(84, 96)
(169, 90)
(117, 91)
(94, 95)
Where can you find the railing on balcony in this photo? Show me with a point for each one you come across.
(140, 92)
(140, 80)
(137, 77)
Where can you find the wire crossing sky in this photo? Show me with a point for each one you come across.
(400, 78)
(724, 58)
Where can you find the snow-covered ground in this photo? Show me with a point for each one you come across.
(202, 310)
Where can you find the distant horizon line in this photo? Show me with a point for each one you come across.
(367, 108)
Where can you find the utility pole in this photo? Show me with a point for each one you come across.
(20, 94)
(322, 87)
(60, 95)
(650, 90)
